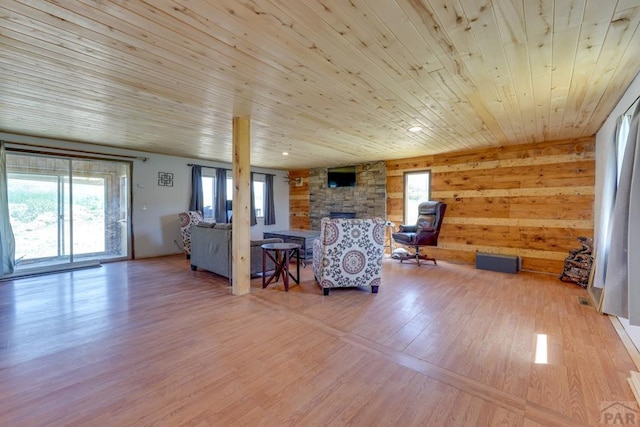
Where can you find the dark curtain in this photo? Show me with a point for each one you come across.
(196, 189)
(254, 220)
(220, 203)
(7, 240)
(269, 204)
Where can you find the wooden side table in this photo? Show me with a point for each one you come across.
(280, 254)
(304, 238)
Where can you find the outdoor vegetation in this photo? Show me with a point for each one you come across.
(41, 218)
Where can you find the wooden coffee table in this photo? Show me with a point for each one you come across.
(304, 238)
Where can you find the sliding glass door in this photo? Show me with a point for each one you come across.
(66, 210)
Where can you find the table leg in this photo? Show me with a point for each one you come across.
(264, 267)
(286, 270)
(277, 264)
(295, 253)
(281, 260)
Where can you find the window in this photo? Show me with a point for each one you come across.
(229, 187)
(258, 196)
(65, 210)
(417, 189)
(209, 193)
(208, 196)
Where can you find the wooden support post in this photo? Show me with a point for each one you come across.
(240, 240)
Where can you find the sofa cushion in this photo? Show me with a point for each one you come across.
(212, 250)
(205, 224)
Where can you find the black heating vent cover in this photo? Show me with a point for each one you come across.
(501, 263)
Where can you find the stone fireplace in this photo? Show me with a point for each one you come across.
(366, 200)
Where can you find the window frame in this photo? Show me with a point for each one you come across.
(405, 203)
(258, 177)
(70, 176)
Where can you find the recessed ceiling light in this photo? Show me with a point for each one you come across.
(415, 129)
(285, 153)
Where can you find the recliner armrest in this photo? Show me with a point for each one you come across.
(407, 228)
(425, 230)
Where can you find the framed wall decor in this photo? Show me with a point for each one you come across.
(165, 179)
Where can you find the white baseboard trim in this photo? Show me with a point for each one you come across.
(626, 340)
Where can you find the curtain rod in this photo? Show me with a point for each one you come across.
(210, 167)
(71, 150)
(227, 169)
(631, 106)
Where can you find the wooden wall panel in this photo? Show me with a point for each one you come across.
(543, 265)
(299, 199)
(530, 200)
(394, 184)
(520, 176)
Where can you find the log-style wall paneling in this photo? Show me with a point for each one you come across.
(530, 200)
(299, 199)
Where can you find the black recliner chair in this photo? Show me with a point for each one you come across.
(424, 233)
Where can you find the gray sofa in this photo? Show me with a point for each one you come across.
(211, 250)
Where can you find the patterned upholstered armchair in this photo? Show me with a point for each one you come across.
(187, 219)
(349, 253)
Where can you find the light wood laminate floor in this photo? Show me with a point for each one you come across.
(149, 342)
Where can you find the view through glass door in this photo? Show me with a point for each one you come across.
(66, 211)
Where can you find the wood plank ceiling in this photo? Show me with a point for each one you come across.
(329, 81)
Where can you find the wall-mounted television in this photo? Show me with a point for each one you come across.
(343, 176)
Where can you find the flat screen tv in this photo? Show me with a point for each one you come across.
(343, 176)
